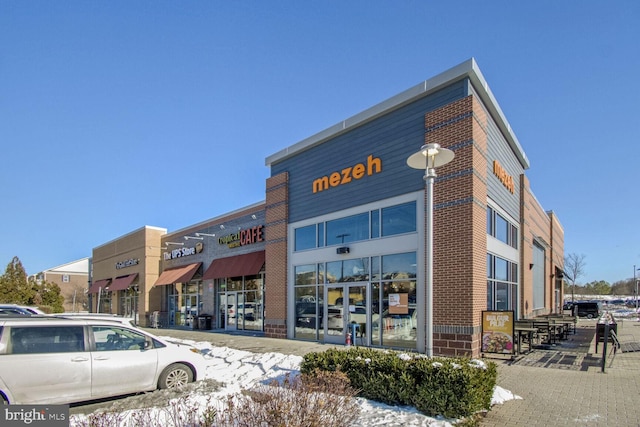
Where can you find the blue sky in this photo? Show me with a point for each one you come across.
(120, 114)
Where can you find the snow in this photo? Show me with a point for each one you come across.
(238, 370)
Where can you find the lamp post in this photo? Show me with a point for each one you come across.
(428, 158)
(635, 284)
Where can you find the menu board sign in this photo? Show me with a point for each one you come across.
(497, 332)
(398, 303)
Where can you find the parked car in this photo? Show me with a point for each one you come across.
(246, 311)
(306, 315)
(20, 309)
(53, 360)
(589, 310)
(129, 321)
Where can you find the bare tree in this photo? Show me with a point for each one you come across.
(574, 268)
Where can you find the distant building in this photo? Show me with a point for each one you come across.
(73, 280)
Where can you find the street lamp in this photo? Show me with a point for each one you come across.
(635, 283)
(428, 158)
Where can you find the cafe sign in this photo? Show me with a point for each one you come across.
(244, 237)
(497, 332)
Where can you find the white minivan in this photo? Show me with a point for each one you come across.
(49, 360)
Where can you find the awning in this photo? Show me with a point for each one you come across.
(240, 265)
(99, 285)
(120, 283)
(178, 274)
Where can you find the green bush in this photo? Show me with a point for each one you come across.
(451, 387)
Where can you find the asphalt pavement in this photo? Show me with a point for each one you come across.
(565, 384)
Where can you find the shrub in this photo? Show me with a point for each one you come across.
(316, 399)
(451, 387)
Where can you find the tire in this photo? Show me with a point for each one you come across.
(175, 376)
(589, 316)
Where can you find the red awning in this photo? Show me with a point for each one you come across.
(99, 285)
(178, 274)
(120, 283)
(240, 265)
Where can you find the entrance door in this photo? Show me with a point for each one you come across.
(232, 311)
(345, 306)
(190, 309)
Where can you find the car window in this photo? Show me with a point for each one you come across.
(46, 339)
(110, 338)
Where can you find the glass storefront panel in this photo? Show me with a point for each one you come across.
(305, 274)
(305, 237)
(240, 303)
(350, 229)
(399, 219)
(398, 322)
(308, 315)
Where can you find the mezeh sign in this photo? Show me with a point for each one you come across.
(497, 332)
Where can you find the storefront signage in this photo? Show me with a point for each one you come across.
(503, 176)
(243, 237)
(347, 175)
(399, 303)
(182, 252)
(127, 263)
(497, 332)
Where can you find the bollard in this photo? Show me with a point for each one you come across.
(354, 333)
(604, 346)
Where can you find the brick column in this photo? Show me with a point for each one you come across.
(276, 214)
(460, 237)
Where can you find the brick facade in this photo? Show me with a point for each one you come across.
(276, 212)
(459, 242)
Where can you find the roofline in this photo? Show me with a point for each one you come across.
(146, 227)
(468, 68)
(207, 222)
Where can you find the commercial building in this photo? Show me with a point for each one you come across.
(341, 236)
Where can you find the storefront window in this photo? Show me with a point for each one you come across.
(501, 284)
(305, 237)
(393, 307)
(399, 266)
(351, 270)
(350, 229)
(388, 221)
(399, 219)
(305, 274)
(375, 224)
(308, 312)
(399, 318)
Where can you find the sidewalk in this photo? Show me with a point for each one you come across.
(553, 394)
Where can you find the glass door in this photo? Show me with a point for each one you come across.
(232, 311)
(190, 309)
(347, 312)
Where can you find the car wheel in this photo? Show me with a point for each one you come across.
(175, 376)
(589, 316)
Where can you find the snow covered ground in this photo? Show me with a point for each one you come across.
(237, 370)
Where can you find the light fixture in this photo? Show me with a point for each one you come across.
(221, 226)
(192, 237)
(205, 234)
(174, 243)
(428, 158)
(254, 216)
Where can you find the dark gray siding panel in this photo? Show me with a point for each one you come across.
(392, 138)
(499, 149)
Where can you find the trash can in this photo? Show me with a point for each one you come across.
(204, 322)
